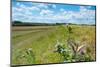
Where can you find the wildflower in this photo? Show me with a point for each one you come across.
(81, 49)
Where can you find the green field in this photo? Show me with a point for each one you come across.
(37, 44)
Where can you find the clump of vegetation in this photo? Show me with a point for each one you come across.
(69, 29)
(79, 51)
(25, 56)
(75, 51)
(63, 51)
(30, 56)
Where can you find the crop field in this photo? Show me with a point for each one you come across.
(52, 44)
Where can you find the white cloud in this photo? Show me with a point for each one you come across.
(16, 9)
(46, 12)
(84, 16)
(22, 6)
(85, 13)
(42, 5)
(23, 11)
(33, 8)
(26, 13)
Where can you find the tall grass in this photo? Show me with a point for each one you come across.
(55, 44)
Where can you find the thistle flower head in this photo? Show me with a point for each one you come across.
(81, 49)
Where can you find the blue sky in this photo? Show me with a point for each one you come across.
(52, 13)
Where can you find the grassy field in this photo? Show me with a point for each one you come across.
(38, 44)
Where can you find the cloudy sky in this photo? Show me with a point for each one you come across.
(52, 13)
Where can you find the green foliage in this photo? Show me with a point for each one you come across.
(69, 29)
(78, 51)
(71, 44)
(30, 56)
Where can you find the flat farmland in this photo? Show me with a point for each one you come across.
(37, 44)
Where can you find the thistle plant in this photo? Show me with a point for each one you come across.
(75, 50)
(64, 52)
(78, 49)
(60, 49)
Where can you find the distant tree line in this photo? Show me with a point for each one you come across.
(82, 24)
(19, 23)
